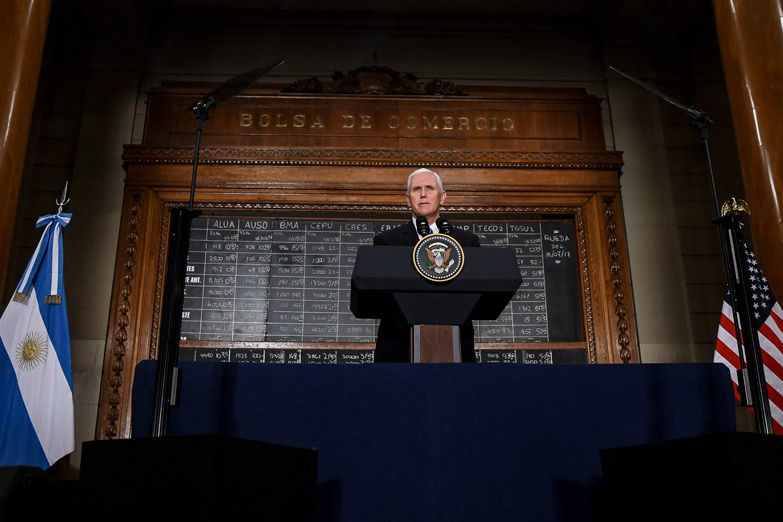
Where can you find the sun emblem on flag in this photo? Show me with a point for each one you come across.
(32, 350)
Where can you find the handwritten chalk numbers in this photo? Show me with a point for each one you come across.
(288, 281)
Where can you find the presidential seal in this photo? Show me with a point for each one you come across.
(438, 257)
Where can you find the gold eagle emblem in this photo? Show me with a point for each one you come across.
(438, 255)
(734, 206)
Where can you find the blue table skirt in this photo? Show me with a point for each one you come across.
(405, 442)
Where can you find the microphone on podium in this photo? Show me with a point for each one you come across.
(444, 226)
(422, 227)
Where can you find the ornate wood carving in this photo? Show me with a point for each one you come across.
(592, 355)
(160, 272)
(374, 80)
(620, 311)
(399, 158)
(122, 321)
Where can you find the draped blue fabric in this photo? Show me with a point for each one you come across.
(447, 441)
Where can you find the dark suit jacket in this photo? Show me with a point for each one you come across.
(393, 333)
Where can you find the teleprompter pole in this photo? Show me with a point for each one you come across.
(168, 375)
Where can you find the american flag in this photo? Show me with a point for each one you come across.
(769, 324)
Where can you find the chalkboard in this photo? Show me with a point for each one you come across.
(546, 307)
(288, 280)
(273, 281)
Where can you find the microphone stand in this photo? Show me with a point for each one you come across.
(168, 375)
(752, 384)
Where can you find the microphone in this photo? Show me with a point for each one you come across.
(444, 226)
(422, 226)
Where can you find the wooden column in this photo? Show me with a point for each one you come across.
(22, 39)
(751, 44)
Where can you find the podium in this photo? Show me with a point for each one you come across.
(386, 284)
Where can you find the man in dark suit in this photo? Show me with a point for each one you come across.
(425, 196)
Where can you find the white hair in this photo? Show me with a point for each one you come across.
(422, 171)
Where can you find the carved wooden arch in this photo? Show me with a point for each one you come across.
(556, 164)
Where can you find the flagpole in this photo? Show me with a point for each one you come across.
(730, 224)
(751, 374)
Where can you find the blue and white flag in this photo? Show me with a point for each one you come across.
(36, 391)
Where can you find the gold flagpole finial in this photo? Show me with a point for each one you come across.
(735, 206)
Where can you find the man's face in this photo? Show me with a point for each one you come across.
(424, 196)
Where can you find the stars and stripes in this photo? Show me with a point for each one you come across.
(768, 317)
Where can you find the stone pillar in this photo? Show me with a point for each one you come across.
(751, 44)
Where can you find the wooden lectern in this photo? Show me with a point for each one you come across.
(385, 283)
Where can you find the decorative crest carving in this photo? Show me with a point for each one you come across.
(375, 80)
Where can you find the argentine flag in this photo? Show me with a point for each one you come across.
(36, 392)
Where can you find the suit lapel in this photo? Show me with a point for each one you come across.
(411, 237)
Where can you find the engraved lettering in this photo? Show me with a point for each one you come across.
(429, 124)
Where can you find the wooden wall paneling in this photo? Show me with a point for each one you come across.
(552, 165)
(613, 309)
(521, 120)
